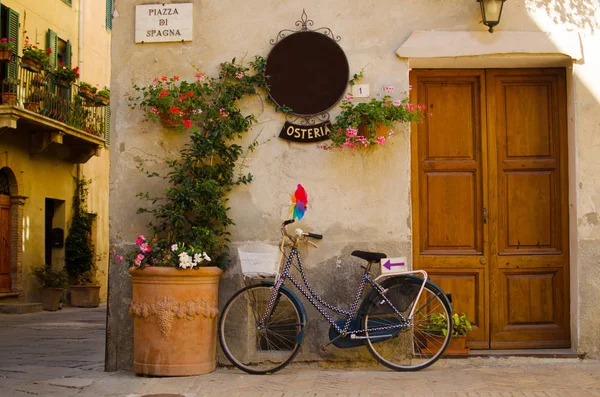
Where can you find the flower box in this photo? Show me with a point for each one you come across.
(31, 64)
(5, 55)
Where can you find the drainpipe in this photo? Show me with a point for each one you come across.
(80, 38)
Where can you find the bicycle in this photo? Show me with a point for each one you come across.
(262, 326)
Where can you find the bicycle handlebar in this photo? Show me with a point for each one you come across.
(299, 232)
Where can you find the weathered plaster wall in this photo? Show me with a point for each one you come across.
(355, 199)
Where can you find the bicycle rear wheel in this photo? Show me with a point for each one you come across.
(418, 344)
(270, 347)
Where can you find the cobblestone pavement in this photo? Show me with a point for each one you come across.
(62, 354)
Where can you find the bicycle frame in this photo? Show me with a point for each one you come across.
(320, 304)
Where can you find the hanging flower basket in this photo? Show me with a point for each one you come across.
(5, 55)
(31, 64)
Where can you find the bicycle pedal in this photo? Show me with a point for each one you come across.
(323, 348)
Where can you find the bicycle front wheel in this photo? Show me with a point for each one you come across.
(260, 348)
(418, 343)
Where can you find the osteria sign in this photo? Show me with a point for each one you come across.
(158, 23)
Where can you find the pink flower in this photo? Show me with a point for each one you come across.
(381, 140)
(140, 257)
(388, 88)
(350, 132)
(140, 240)
(348, 98)
(187, 123)
(154, 111)
(155, 80)
(410, 107)
(145, 247)
(239, 75)
(410, 87)
(119, 258)
(200, 76)
(223, 113)
(397, 102)
(137, 262)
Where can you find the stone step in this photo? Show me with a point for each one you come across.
(20, 308)
(9, 297)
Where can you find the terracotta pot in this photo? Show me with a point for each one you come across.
(5, 55)
(456, 346)
(51, 298)
(85, 295)
(31, 64)
(9, 98)
(175, 320)
(32, 106)
(381, 130)
(103, 101)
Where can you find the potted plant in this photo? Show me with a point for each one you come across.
(176, 273)
(9, 90)
(461, 325)
(34, 100)
(86, 90)
(35, 59)
(52, 282)
(103, 96)
(66, 75)
(170, 99)
(369, 124)
(80, 258)
(6, 49)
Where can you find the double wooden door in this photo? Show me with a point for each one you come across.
(490, 200)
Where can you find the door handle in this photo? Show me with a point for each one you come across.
(484, 215)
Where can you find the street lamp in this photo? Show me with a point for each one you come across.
(491, 10)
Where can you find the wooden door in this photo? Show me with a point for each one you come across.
(479, 177)
(528, 208)
(5, 285)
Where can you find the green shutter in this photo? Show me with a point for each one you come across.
(52, 43)
(13, 32)
(68, 54)
(107, 126)
(69, 2)
(109, 11)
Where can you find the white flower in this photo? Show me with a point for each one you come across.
(185, 261)
(174, 247)
(206, 257)
(198, 258)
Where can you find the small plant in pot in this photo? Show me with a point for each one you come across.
(80, 257)
(52, 283)
(9, 90)
(461, 325)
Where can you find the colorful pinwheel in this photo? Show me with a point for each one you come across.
(299, 203)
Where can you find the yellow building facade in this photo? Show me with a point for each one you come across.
(51, 134)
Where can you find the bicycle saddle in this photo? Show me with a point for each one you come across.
(369, 256)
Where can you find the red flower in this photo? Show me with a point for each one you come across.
(164, 78)
(187, 123)
(176, 78)
(190, 93)
(175, 110)
(163, 94)
(182, 97)
(48, 50)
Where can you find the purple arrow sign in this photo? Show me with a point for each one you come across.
(388, 265)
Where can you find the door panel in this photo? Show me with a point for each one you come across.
(490, 220)
(448, 179)
(5, 285)
(529, 264)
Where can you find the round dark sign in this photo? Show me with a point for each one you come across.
(307, 72)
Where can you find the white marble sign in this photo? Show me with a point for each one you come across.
(158, 23)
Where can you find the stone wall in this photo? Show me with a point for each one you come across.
(357, 200)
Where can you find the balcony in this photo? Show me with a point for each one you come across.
(62, 120)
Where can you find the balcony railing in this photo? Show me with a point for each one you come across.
(45, 94)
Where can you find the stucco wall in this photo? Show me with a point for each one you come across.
(355, 199)
(41, 175)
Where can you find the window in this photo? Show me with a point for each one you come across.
(109, 11)
(9, 27)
